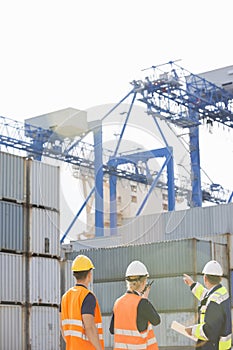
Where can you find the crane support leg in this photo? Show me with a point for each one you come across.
(113, 203)
(99, 180)
(170, 184)
(196, 200)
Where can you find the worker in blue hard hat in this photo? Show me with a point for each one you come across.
(133, 314)
(214, 328)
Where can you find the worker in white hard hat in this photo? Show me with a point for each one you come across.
(81, 319)
(214, 328)
(133, 314)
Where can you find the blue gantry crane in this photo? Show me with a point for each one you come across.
(170, 93)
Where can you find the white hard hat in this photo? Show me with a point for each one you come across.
(136, 268)
(213, 268)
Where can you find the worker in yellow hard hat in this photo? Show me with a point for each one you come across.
(213, 330)
(133, 314)
(81, 319)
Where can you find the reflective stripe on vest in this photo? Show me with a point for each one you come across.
(129, 332)
(198, 332)
(130, 346)
(225, 343)
(77, 333)
(199, 291)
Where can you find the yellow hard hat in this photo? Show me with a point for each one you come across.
(82, 263)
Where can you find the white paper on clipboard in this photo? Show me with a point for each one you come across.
(180, 328)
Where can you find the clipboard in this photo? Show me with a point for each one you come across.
(180, 328)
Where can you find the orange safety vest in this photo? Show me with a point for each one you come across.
(71, 318)
(126, 334)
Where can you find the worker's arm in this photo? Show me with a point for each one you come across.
(111, 327)
(62, 331)
(147, 312)
(210, 330)
(198, 290)
(91, 330)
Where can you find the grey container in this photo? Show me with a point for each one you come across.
(195, 222)
(44, 279)
(161, 258)
(168, 294)
(44, 232)
(67, 278)
(107, 293)
(108, 337)
(44, 185)
(12, 278)
(44, 328)
(167, 337)
(162, 296)
(12, 177)
(11, 226)
(12, 327)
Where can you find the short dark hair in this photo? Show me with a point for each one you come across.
(81, 275)
(213, 279)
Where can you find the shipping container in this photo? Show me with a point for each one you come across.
(194, 222)
(44, 232)
(67, 278)
(230, 247)
(108, 337)
(11, 226)
(168, 337)
(12, 278)
(12, 331)
(12, 177)
(44, 185)
(44, 278)
(44, 328)
(162, 259)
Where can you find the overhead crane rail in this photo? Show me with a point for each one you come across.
(183, 98)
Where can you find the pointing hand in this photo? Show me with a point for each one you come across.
(188, 280)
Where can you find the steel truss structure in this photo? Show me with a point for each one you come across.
(170, 93)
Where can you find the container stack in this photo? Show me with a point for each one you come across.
(29, 254)
(166, 261)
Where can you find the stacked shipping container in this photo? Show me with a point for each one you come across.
(29, 254)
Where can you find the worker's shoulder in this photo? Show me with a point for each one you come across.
(220, 295)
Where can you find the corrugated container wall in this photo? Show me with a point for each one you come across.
(44, 232)
(12, 327)
(167, 337)
(44, 328)
(12, 278)
(11, 226)
(211, 223)
(12, 177)
(195, 222)
(161, 258)
(44, 185)
(67, 279)
(44, 280)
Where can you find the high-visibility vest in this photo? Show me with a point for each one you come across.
(71, 317)
(218, 296)
(126, 334)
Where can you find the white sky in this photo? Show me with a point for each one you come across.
(72, 53)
